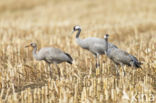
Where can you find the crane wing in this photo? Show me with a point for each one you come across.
(119, 56)
(54, 55)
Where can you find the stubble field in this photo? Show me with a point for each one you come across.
(130, 23)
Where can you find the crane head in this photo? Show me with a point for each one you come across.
(32, 45)
(106, 36)
(77, 27)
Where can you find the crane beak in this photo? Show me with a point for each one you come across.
(72, 32)
(27, 46)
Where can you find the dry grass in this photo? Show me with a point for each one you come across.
(130, 23)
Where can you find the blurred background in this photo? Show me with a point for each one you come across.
(130, 23)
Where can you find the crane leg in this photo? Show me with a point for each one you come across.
(133, 70)
(117, 70)
(123, 69)
(58, 71)
(97, 61)
(50, 70)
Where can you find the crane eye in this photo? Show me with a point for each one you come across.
(74, 28)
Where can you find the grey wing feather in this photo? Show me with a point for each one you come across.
(97, 49)
(135, 62)
(110, 45)
(93, 40)
(53, 55)
(97, 45)
(70, 58)
(120, 56)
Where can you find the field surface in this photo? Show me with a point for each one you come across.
(130, 23)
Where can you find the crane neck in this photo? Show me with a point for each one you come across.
(34, 53)
(79, 41)
(106, 43)
(78, 33)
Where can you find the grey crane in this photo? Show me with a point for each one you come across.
(51, 56)
(120, 57)
(95, 45)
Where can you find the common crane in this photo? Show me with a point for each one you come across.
(95, 45)
(120, 57)
(51, 56)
